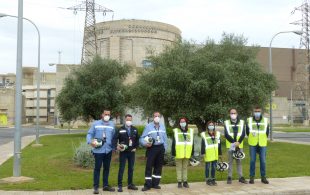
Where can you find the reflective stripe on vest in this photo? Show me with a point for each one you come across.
(230, 131)
(257, 136)
(211, 149)
(183, 148)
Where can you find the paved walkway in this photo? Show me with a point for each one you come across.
(293, 185)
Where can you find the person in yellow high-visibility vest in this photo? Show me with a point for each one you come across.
(234, 129)
(211, 149)
(182, 149)
(257, 130)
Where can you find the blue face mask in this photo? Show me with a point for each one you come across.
(257, 114)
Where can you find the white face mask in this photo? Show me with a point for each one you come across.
(128, 123)
(156, 119)
(183, 125)
(106, 118)
(211, 127)
(233, 116)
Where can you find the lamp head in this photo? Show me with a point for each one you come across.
(298, 32)
(2, 15)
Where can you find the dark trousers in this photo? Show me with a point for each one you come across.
(155, 159)
(213, 167)
(102, 159)
(123, 156)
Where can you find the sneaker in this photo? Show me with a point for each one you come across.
(179, 184)
(242, 180)
(120, 189)
(214, 182)
(132, 187)
(185, 184)
(251, 180)
(108, 188)
(96, 191)
(209, 182)
(229, 180)
(264, 180)
(157, 187)
(145, 188)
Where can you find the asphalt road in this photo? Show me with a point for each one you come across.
(293, 136)
(7, 134)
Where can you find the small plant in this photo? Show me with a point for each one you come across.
(83, 156)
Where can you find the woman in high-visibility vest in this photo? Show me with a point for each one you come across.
(211, 148)
(182, 149)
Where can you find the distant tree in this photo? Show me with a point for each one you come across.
(202, 82)
(93, 87)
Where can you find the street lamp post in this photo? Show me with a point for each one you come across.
(38, 75)
(270, 71)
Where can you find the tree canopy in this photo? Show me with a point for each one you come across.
(201, 82)
(91, 88)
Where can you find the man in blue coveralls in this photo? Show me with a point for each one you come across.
(100, 136)
(154, 138)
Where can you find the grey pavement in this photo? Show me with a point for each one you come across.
(277, 186)
(292, 185)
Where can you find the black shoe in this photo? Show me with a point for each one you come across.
(251, 180)
(185, 184)
(179, 184)
(120, 189)
(229, 180)
(209, 182)
(214, 182)
(96, 191)
(132, 187)
(145, 188)
(242, 180)
(264, 180)
(157, 187)
(108, 188)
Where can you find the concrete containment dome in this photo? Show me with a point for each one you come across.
(131, 41)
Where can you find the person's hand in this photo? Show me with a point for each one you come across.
(237, 144)
(133, 150)
(118, 148)
(93, 144)
(148, 145)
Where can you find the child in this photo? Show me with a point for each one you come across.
(211, 148)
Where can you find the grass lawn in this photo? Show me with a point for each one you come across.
(52, 167)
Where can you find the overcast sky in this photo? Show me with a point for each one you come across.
(61, 30)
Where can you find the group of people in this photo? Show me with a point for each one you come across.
(105, 139)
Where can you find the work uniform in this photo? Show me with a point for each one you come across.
(257, 132)
(155, 153)
(234, 132)
(211, 149)
(129, 137)
(182, 149)
(102, 130)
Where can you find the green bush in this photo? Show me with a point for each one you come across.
(83, 156)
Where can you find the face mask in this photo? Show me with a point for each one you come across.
(128, 123)
(211, 127)
(106, 118)
(233, 116)
(183, 125)
(156, 119)
(257, 114)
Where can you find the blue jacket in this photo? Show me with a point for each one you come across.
(97, 130)
(151, 131)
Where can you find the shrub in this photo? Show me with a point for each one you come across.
(83, 156)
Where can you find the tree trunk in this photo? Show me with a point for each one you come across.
(166, 121)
